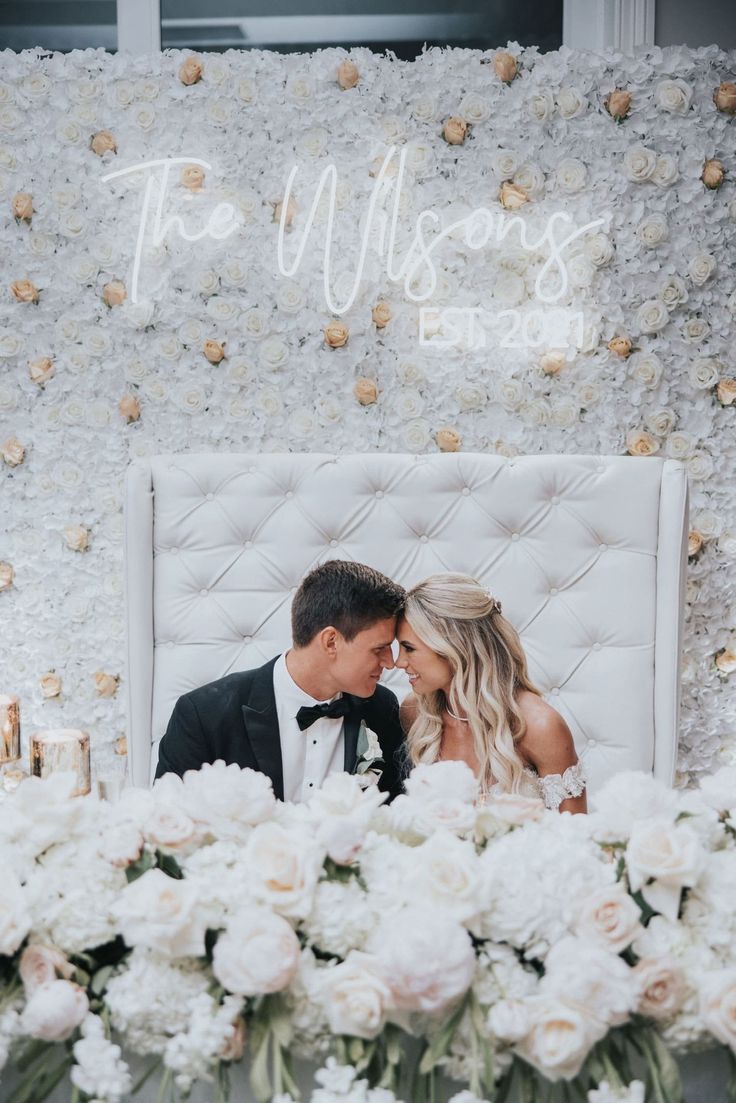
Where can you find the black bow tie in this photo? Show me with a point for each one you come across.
(309, 713)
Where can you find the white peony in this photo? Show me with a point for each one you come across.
(583, 973)
(227, 800)
(258, 953)
(55, 1010)
(627, 797)
(161, 913)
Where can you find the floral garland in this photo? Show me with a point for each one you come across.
(188, 922)
(219, 347)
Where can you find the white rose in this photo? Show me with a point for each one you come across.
(541, 105)
(718, 790)
(283, 867)
(15, 919)
(704, 373)
(661, 987)
(170, 829)
(420, 978)
(695, 330)
(669, 853)
(570, 102)
(274, 353)
(666, 171)
(291, 298)
(653, 230)
(598, 249)
(589, 976)
(679, 445)
(571, 175)
(342, 837)
(227, 800)
(674, 96)
(727, 544)
(531, 178)
(559, 1039)
(652, 316)
(417, 434)
(258, 953)
(673, 292)
(446, 875)
(660, 422)
(701, 268)
(718, 1005)
(159, 912)
(699, 466)
(424, 108)
(54, 1011)
(609, 917)
(639, 163)
(505, 162)
(355, 997)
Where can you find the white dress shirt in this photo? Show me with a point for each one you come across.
(307, 756)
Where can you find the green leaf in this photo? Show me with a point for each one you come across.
(142, 865)
(99, 980)
(438, 1047)
(668, 1072)
(139, 1084)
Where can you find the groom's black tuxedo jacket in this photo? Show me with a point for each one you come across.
(235, 719)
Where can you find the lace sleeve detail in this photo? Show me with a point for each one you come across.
(558, 787)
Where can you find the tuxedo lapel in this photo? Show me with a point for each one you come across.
(262, 727)
(351, 728)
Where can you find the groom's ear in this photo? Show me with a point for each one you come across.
(329, 639)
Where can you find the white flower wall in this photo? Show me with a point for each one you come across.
(222, 352)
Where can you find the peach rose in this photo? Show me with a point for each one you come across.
(381, 314)
(120, 746)
(41, 964)
(552, 363)
(713, 174)
(234, 1048)
(6, 575)
(192, 177)
(448, 439)
(41, 370)
(106, 685)
(512, 196)
(50, 684)
(726, 391)
(336, 334)
(641, 443)
(366, 391)
(214, 351)
(129, 407)
(191, 71)
(291, 209)
(726, 660)
(114, 293)
(661, 986)
(620, 346)
(505, 66)
(103, 142)
(23, 206)
(76, 538)
(455, 130)
(13, 452)
(24, 291)
(694, 543)
(618, 103)
(347, 74)
(724, 97)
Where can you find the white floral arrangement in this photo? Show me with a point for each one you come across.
(219, 348)
(518, 947)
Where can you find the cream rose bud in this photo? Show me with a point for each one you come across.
(76, 538)
(726, 392)
(103, 142)
(41, 965)
(366, 391)
(191, 70)
(609, 917)
(713, 173)
(694, 543)
(114, 293)
(348, 74)
(661, 987)
(192, 177)
(336, 334)
(355, 997)
(505, 66)
(724, 97)
(106, 685)
(130, 407)
(448, 439)
(618, 103)
(512, 196)
(670, 854)
(641, 443)
(161, 913)
(6, 576)
(54, 1011)
(214, 351)
(718, 1005)
(381, 314)
(24, 291)
(552, 363)
(620, 346)
(559, 1037)
(725, 660)
(291, 210)
(455, 130)
(23, 206)
(41, 370)
(257, 954)
(50, 684)
(13, 452)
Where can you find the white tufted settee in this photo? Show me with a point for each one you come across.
(586, 553)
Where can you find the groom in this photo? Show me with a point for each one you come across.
(297, 718)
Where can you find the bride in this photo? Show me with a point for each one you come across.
(472, 698)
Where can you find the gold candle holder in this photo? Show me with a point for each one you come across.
(62, 749)
(9, 728)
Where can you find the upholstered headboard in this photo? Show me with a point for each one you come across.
(586, 553)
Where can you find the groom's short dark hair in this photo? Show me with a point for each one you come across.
(349, 596)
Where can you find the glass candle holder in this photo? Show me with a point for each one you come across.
(62, 749)
(9, 728)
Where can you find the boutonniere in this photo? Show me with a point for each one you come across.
(370, 761)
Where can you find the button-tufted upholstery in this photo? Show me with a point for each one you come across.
(586, 553)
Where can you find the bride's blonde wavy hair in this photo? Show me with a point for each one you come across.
(461, 621)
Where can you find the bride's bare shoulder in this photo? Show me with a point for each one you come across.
(547, 739)
(408, 711)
